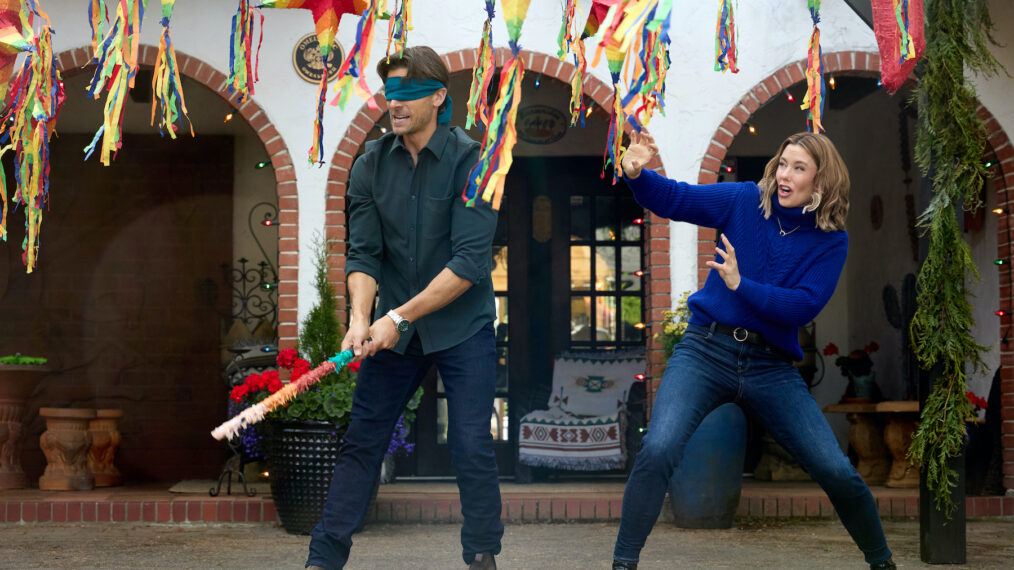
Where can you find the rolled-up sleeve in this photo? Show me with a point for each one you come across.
(472, 229)
(365, 242)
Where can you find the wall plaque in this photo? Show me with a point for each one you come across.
(541, 124)
(309, 63)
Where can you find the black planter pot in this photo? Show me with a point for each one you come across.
(301, 458)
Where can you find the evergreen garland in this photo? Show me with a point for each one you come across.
(950, 145)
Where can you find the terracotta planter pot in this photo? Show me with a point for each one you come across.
(16, 384)
(105, 442)
(66, 443)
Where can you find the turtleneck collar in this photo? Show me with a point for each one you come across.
(793, 217)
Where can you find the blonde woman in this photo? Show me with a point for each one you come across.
(783, 248)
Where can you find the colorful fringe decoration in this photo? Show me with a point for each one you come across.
(165, 82)
(399, 23)
(98, 14)
(482, 74)
(813, 101)
(566, 36)
(726, 54)
(647, 92)
(614, 141)
(901, 40)
(577, 106)
(12, 42)
(486, 179)
(116, 66)
(26, 125)
(256, 412)
(243, 60)
(326, 17)
(352, 74)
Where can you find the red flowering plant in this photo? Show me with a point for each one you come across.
(978, 402)
(855, 363)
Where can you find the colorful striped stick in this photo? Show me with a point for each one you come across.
(165, 81)
(813, 101)
(726, 53)
(256, 412)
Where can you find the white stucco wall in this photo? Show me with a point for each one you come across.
(771, 34)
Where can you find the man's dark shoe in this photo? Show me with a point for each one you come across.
(617, 565)
(483, 561)
(885, 565)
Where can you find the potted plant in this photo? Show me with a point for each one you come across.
(857, 367)
(18, 377)
(399, 445)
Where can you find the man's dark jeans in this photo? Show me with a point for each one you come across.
(384, 386)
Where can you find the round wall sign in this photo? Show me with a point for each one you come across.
(309, 63)
(541, 124)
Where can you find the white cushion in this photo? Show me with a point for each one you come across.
(593, 387)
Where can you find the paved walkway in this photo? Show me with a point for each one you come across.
(764, 544)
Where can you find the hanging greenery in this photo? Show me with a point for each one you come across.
(950, 145)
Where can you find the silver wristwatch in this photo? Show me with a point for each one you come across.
(400, 322)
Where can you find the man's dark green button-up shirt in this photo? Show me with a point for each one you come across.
(408, 222)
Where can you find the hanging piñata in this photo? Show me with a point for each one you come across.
(165, 82)
(243, 59)
(900, 38)
(115, 60)
(352, 73)
(26, 125)
(482, 74)
(726, 53)
(326, 16)
(486, 179)
(813, 101)
(256, 412)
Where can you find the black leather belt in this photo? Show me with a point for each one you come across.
(751, 337)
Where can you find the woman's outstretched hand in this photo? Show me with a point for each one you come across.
(641, 150)
(728, 271)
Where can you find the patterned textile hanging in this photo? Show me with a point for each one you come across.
(28, 120)
(813, 101)
(165, 81)
(486, 178)
(726, 52)
(115, 59)
(482, 75)
(901, 39)
(326, 16)
(243, 60)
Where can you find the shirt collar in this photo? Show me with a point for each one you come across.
(436, 144)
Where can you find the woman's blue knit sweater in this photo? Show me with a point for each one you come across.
(786, 280)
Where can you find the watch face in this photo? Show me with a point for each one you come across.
(403, 326)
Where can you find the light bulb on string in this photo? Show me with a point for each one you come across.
(1000, 313)
(228, 117)
(831, 82)
(752, 129)
(999, 211)
(790, 97)
(262, 164)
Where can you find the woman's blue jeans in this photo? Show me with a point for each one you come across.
(384, 386)
(708, 369)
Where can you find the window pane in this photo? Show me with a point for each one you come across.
(630, 261)
(630, 210)
(499, 273)
(605, 315)
(500, 320)
(498, 422)
(605, 218)
(580, 218)
(441, 420)
(631, 311)
(605, 268)
(580, 267)
(580, 318)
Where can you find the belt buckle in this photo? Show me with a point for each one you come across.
(736, 331)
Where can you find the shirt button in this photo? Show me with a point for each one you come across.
(412, 259)
(413, 196)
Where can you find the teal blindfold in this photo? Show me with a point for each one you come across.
(402, 89)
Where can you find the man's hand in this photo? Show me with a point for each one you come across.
(641, 150)
(355, 338)
(728, 271)
(384, 333)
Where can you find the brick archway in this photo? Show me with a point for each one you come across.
(75, 60)
(868, 63)
(657, 287)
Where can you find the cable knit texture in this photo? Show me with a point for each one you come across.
(786, 280)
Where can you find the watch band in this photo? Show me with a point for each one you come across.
(400, 322)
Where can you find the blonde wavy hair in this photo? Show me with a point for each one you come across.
(830, 185)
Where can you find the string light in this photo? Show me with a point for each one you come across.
(988, 164)
(639, 273)
(383, 130)
(790, 97)
(641, 377)
(831, 82)
(268, 286)
(751, 128)
(1002, 262)
(638, 221)
(538, 80)
(228, 117)
(262, 164)
(640, 326)
(588, 112)
(1001, 313)
(727, 168)
(999, 211)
